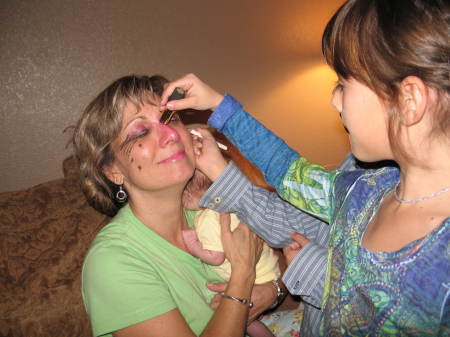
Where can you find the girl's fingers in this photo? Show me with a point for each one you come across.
(300, 239)
(181, 104)
(198, 95)
(294, 245)
(185, 82)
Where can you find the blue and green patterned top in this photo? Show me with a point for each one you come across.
(366, 294)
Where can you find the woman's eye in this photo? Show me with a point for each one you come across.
(131, 139)
(140, 134)
(136, 135)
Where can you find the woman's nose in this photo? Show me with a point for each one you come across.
(167, 135)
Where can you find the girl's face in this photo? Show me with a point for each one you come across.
(365, 119)
(151, 156)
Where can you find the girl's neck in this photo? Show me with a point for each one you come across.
(424, 178)
(396, 224)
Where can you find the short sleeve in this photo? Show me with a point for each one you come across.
(120, 289)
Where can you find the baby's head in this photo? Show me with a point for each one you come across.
(194, 190)
(199, 183)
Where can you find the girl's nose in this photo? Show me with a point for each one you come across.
(167, 135)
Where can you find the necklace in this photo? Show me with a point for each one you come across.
(414, 201)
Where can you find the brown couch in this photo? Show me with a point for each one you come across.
(45, 232)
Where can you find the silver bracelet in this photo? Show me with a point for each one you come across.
(280, 294)
(240, 300)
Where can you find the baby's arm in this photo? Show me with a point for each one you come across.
(194, 246)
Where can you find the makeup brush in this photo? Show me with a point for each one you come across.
(167, 115)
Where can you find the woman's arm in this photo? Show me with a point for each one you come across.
(229, 320)
(242, 249)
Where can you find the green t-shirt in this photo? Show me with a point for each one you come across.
(131, 274)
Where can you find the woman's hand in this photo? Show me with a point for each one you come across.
(208, 159)
(242, 248)
(198, 95)
(263, 297)
(292, 249)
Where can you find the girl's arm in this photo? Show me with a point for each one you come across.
(269, 153)
(303, 184)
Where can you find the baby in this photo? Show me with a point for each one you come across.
(204, 242)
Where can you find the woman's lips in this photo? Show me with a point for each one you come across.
(173, 158)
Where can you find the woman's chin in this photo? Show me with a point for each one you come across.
(184, 176)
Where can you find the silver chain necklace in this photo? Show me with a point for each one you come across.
(414, 201)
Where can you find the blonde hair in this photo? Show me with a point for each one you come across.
(99, 126)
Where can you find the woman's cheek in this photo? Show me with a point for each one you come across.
(136, 157)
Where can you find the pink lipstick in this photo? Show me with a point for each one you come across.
(174, 157)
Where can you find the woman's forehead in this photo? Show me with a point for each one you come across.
(145, 111)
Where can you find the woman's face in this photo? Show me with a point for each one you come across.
(149, 155)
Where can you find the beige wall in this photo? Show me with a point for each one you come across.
(55, 55)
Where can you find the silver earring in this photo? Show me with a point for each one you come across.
(121, 195)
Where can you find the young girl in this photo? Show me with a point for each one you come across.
(388, 268)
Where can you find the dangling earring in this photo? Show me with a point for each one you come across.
(121, 195)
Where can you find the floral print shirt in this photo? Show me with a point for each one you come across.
(366, 294)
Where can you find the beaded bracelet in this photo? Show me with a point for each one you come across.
(240, 300)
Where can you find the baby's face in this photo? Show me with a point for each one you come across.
(194, 190)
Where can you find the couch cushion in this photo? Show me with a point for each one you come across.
(45, 232)
(70, 168)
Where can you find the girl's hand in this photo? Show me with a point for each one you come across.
(242, 248)
(209, 159)
(198, 95)
(292, 249)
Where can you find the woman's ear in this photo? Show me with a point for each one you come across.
(113, 173)
(413, 100)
